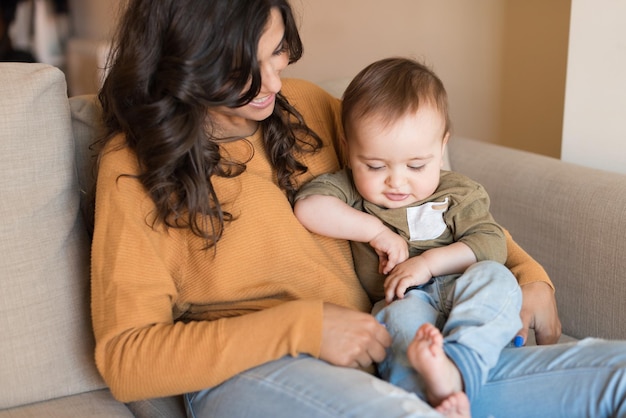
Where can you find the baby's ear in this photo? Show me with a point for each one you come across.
(445, 139)
(444, 149)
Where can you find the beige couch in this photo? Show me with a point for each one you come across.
(572, 219)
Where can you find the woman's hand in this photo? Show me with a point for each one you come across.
(539, 312)
(351, 338)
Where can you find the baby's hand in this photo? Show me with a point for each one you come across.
(413, 272)
(391, 248)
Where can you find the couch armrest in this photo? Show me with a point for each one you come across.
(570, 218)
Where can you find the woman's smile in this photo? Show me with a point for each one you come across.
(263, 102)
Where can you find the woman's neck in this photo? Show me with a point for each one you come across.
(226, 126)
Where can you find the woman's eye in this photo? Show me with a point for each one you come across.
(283, 48)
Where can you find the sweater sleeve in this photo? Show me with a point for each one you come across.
(522, 265)
(141, 351)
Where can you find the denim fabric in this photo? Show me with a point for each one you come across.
(577, 380)
(477, 312)
(305, 387)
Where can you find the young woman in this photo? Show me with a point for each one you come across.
(203, 281)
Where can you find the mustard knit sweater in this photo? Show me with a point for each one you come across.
(171, 318)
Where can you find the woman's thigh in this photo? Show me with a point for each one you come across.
(583, 379)
(305, 387)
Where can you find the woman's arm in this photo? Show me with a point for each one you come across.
(539, 310)
(145, 278)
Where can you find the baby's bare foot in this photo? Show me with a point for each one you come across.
(440, 374)
(455, 406)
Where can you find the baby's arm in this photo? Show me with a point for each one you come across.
(331, 217)
(450, 259)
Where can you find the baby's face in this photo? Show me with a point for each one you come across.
(398, 163)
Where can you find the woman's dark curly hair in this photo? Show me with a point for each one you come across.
(172, 61)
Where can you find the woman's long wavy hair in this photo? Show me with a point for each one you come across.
(172, 61)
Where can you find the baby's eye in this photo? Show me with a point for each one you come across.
(416, 167)
(375, 167)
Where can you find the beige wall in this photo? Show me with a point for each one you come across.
(535, 41)
(460, 40)
(503, 62)
(92, 25)
(94, 19)
(594, 132)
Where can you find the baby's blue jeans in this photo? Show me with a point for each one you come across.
(477, 312)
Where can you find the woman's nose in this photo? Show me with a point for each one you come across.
(270, 78)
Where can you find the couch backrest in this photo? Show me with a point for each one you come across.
(87, 126)
(570, 218)
(46, 342)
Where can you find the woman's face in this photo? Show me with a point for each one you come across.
(273, 57)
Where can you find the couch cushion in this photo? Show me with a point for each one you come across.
(46, 343)
(570, 218)
(96, 404)
(168, 407)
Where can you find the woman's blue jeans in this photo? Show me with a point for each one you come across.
(583, 379)
(574, 380)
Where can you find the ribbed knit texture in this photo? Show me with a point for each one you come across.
(171, 318)
(522, 265)
(257, 298)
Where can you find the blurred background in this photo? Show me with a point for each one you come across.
(536, 75)
(33, 30)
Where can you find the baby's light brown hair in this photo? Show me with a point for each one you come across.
(389, 89)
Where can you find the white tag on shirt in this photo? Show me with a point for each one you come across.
(426, 220)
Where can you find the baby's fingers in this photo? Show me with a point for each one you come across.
(391, 287)
(382, 262)
(387, 266)
(394, 258)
